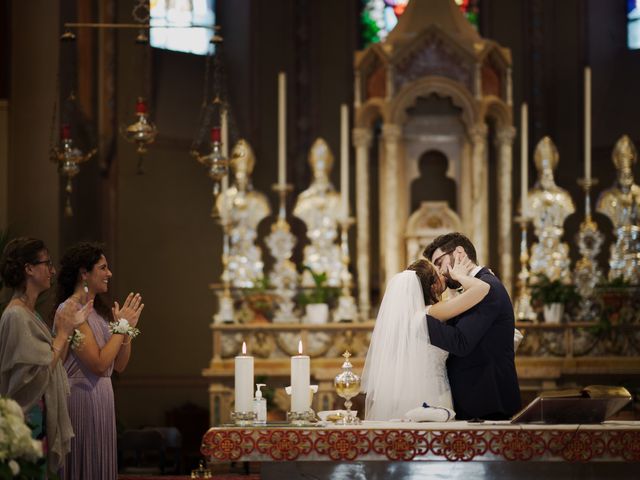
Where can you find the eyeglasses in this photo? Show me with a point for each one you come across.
(48, 262)
(438, 260)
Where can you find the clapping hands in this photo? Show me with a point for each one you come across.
(131, 309)
(461, 266)
(71, 316)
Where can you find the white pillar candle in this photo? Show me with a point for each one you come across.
(300, 381)
(524, 157)
(244, 381)
(282, 129)
(344, 159)
(587, 123)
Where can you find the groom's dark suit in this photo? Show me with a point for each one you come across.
(481, 366)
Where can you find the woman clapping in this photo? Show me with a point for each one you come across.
(102, 345)
(31, 371)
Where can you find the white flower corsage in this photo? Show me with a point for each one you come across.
(122, 327)
(76, 339)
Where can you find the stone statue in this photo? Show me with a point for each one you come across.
(244, 208)
(319, 208)
(548, 205)
(621, 203)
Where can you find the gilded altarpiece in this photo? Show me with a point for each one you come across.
(433, 51)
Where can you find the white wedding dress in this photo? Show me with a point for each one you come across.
(402, 369)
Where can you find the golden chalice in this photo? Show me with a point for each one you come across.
(347, 386)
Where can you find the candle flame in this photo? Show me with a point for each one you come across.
(300, 347)
(244, 348)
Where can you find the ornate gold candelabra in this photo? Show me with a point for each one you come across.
(284, 276)
(347, 386)
(347, 310)
(523, 309)
(587, 274)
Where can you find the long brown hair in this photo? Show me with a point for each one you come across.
(428, 276)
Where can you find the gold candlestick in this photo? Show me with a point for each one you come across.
(225, 308)
(347, 310)
(523, 309)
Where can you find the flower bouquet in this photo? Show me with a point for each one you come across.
(19, 453)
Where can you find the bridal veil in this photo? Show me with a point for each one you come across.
(402, 369)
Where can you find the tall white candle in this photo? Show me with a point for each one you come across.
(244, 381)
(524, 157)
(344, 158)
(587, 123)
(300, 381)
(282, 129)
(224, 138)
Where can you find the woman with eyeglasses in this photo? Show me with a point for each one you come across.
(31, 371)
(103, 345)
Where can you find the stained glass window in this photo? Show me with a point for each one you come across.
(380, 16)
(633, 24)
(196, 16)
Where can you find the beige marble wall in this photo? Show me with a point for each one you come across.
(33, 188)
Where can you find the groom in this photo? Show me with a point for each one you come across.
(481, 366)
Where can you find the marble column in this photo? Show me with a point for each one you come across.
(362, 142)
(504, 144)
(480, 192)
(391, 238)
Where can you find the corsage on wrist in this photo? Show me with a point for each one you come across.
(122, 327)
(76, 339)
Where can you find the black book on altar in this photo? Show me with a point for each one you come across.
(592, 404)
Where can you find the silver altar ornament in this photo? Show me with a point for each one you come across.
(347, 386)
(587, 274)
(215, 161)
(548, 206)
(68, 157)
(621, 203)
(319, 208)
(142, 132)
(244, 208)
(284, 276)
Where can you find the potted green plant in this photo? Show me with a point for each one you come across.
(260, 300)
(616, 302)
(553, 295)
(316, 299)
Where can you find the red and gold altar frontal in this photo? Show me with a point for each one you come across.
(457, 441)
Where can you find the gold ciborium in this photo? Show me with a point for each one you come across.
(347, 386)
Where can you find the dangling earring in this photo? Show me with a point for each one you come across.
(85, 286)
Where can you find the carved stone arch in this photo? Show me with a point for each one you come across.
(494, 107)
(444, 87)
(367, 114)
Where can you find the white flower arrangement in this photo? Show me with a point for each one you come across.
(76, 339)
(18, 451)
(122, 326)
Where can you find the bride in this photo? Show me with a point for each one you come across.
(402, 369)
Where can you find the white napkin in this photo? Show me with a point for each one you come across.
(425, 413)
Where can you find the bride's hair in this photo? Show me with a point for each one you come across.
(427, 274)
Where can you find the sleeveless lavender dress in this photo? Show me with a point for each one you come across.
(91, 408)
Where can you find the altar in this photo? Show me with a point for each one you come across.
(452, 449)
